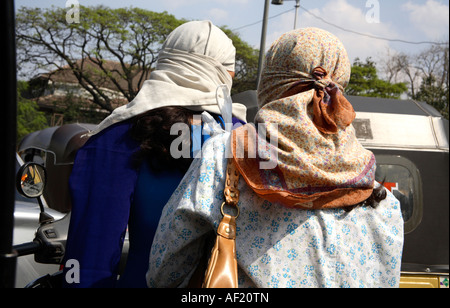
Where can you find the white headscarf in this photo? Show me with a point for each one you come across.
(192, 66)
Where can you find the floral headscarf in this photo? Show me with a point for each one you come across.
(318, 162)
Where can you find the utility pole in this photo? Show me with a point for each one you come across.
(297, 5)
(262, 48)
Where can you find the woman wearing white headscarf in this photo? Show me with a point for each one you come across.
(125, 172)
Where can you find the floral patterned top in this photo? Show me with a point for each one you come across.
(276, 246)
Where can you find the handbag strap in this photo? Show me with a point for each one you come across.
(231, 191)
(222, 269)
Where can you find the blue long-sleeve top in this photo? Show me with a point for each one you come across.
(108, 194)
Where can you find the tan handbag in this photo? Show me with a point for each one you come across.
(222, 266)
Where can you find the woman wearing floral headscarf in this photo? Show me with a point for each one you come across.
(305, 219)
(319, 163)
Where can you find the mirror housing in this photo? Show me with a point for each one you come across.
(31, 179)
(30, 182)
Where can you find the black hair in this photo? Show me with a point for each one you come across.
(152, 131)
(378, 195)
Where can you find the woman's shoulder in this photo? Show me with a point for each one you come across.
(116, 137)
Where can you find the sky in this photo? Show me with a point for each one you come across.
(412, 21)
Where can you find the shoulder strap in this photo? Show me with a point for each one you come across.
(231, 191)
(222, 267)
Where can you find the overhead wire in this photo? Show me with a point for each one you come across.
(370, 35)
(345, 29)
(260, 21)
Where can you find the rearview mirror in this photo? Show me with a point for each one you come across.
(31, 180)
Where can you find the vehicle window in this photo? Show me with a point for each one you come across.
(400, 184)
(402, 178)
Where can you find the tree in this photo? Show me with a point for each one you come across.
(29, 118)
(433, 64)
(425, 73)
(364, 81)
(129, 36)
(246, 64)
(399, 67)
(434, 95)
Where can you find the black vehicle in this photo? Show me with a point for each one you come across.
(53, 149)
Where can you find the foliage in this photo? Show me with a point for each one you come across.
(425, 73)
(434, 71)
(435, 95)
(76, 110)
(364, 81)
(29, 118)
(246, 64)
(129, 36)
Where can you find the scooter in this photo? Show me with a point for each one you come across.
(49, 243)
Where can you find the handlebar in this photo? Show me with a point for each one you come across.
(27, 248)
(49, 243)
